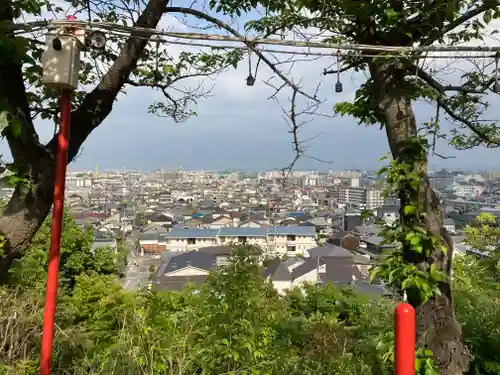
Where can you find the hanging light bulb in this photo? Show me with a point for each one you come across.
(338, 85)
(496, 84)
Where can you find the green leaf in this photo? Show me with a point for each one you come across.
(436, 274)
(487, 16)
(4, 120)
(391, 13)
(410, 209)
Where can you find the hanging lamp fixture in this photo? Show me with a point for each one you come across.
(338, 84)
(250, 78)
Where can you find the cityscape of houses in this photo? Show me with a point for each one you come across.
(308, 227)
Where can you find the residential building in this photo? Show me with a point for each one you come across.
(449, 225)
(360, 196)
(273, 240)
(329, 264)
(179, 269)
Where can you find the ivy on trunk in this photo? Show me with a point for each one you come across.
(426, 248)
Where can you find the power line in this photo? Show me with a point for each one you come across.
(314, 53)
(148, 32)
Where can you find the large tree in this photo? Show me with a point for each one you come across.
(130, 61)
(386, 98)
(421, 267)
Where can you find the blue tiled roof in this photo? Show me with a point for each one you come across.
(236, 232)
(192, 233)
(250, 232)
(294, 230)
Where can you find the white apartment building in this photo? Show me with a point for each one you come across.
(369, 197)
(78, 182)
(374, 199)
(467, 191)
(278, 240)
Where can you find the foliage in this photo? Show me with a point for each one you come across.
(414, 242)
(366, 214)
(77, 257)
(420, 266)
(484, 237)
(235, 324)
(121, 256)
(478, 307)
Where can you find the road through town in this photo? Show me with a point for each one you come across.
(137, 275)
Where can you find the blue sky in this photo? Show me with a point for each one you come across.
(239, 128)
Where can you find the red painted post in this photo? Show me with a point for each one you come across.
(404, 339)
(55, 239)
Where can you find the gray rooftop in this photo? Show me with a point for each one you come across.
(204, 261)
(329, 251)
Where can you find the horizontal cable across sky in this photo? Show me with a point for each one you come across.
(361, 49)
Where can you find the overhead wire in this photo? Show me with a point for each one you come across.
(127, 31)
(430, 55)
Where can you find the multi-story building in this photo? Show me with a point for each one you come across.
(467, 191)
(78, 180)
(277, 240)
(360, 196)
(441, 179)
(374, 199)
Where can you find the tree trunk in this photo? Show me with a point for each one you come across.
(21, 219)
(437, 327)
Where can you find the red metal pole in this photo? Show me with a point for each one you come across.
(55, 240)
(404, 339)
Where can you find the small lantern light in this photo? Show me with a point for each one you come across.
(250, 80)
(338, 85)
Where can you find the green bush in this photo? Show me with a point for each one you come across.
(236, 324)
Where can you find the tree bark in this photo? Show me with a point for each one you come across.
(24, 215)
(437, 327)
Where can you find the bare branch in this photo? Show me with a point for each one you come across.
(343, 69)
(299, 146)
(251, 46)
(443, 101)
(466, 88)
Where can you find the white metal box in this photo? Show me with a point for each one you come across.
(61, 67)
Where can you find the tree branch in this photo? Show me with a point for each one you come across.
(488, 4)
(343, 69)
(97, 105)
(464, 89)
(13, 92)
(178, 108)
(474, 126)
(252, 46)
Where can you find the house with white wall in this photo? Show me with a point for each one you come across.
(277, 240)
(318, 271)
